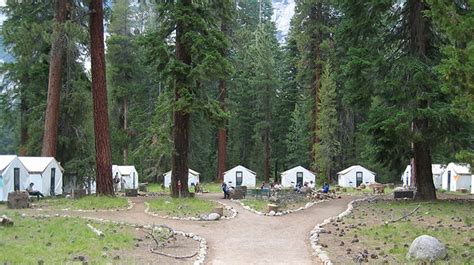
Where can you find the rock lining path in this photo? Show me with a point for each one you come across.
(246, 239)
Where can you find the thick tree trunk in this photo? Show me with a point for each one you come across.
(222, 136)
(179, 158)
(50, 134)
(419, 45)
(99, 95)
(317, 13)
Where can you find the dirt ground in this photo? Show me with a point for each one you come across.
(246, 239)
(346, 244)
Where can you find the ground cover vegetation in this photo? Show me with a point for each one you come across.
(182, 207)
(84, 203)
(369, 230)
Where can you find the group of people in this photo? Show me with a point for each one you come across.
(227, 188)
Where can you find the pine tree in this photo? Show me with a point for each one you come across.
(329, 147)
(58, 47)
(195, 60)
(99, 94)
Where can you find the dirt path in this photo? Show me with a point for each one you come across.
(248, 238)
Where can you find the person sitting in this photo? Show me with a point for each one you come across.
(33, 192)
(325, 188)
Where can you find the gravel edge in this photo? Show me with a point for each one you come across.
(318, 229)
(307, 205)
(227, 207)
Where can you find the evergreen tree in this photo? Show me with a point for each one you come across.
(329, 147)
(99, 94)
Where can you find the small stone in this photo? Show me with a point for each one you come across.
(377, 248)
(137, 245)
(341, 244)
(48, 244)
(355, 240)
(40, 262)
(117, 257)
(80, 258)
(465, 254)
(373, 256)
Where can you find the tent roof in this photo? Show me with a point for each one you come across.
(298, 168)
(124, 170)
(438, 169)
(35, 163)
(464, 169)
(190, 171)
(5, 160)
(240, 166)
(349, 169)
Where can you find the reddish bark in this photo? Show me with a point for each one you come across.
(99, 96)
(222, 136)
(50, 134)
(179, 158)
(266, 136)
(24, 136)
(419, 44)
(222, 133)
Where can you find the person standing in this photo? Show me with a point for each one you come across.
(225, 189)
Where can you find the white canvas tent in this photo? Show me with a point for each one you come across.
(299, 174)
(193, 178)
(13, 175)
(45, 172)
(457, 176)
(128, 173)
(240, 176)
(437, 170)
(472, 184)
(355, 175)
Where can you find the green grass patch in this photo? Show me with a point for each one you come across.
(212, 187)
(85, 203)
(449, 221)
(156, 187)
(58, 240)
(256, 204)
(181, 207)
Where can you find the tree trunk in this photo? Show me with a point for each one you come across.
(221, 136)
(222, 133)
(179, 158)
(125, 129)
(266, 135)
(23, 124)
(419, 44)
(99, 96)
(50, 134)
(317, 12)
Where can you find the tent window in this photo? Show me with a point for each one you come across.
(16, 179)
(238, 178)
(53, 180)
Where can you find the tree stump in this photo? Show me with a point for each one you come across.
(272, 207)
(18, 200)
(143, 187)
(399, 194)
(78, 193)
(218, 210)
(131, 192)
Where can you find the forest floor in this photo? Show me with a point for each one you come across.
(246, 239)
(369, 235)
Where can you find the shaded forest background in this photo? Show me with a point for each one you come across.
(344, 88)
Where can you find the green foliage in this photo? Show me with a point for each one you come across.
(327, 131)
(186, 207)
(86, 203)
(65, 237)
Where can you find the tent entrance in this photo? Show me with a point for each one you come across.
(16, 179)
(53, 180)
(299, 178)
(238, 178)
(449, 180)
(358, 178)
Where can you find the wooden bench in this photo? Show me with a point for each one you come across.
(258, 193)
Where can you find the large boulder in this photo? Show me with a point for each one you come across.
(18, 200)
(427, 248)
(213, 217)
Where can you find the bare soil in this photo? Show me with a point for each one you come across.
(362, 237)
